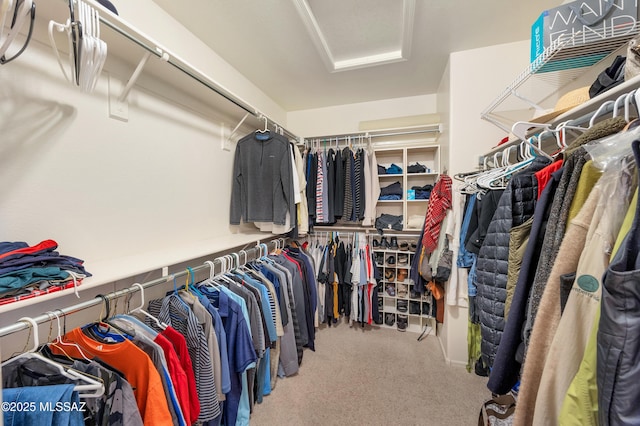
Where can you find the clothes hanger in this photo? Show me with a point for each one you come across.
(59, 342)
(627, 105)
(21, 11)
(95, 387)
(141, 310)
(264, 131)
(600, 111)
(15, 29)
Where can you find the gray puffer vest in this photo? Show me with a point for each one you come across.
(516, 206)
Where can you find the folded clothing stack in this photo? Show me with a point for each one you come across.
(28, 271)
(393, 169)
(416, 168)
(423, 192)
(389, 221)
(391, 192)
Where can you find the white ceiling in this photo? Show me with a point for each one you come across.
(276, 46)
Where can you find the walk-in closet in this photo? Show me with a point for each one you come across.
(319, 212)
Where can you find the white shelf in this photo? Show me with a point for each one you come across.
(422, 174)
(543, 79)
(390, 201)
(418, 201)
(576, 113)
(106, 272)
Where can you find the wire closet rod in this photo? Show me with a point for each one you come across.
(69, 310)
(182, 66)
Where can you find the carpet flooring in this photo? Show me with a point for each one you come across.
(374, 377)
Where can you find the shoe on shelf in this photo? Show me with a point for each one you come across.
(394, 243)
(403, 289)
(390, 275)
(402, 275)
(380, 287)
(391, 260)
(404, 246)
(381, 304)
(375, 243)
(402, 322)
(391, 290)
(414, 308)
(426, 308)
(379, 258)
(389, 319)
(414, 294)
(402, 305)
(403, 259)
(384, 243)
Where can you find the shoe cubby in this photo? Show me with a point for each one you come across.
(393, 255)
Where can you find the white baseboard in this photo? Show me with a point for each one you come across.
(448, 360)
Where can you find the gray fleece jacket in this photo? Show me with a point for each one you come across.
(262, 181)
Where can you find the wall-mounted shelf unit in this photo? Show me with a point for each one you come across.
(425, 155)
(540, 83)
(578, 116)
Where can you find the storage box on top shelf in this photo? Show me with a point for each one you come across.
(581, 23)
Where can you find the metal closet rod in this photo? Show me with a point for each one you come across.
(575, 122)
(188, 70)
(46, 317)
(346, 136)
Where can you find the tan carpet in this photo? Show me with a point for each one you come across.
(374, 377)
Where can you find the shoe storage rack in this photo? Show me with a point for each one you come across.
(404, 157)
(400, 307)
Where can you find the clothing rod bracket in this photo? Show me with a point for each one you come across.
(118, 105)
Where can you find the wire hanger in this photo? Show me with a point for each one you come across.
(140, 309)
(89, 384)
(21, 11)
(59, 342)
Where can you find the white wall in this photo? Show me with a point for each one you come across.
(108, 190)
(478, 76)
(471, 82)
(346, 118)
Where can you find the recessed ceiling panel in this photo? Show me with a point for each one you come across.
(358, 28)
(351, 34)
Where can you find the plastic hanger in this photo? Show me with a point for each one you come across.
(616, 104)
(90, 384)
(600, 111)
(627, 105)
(520, 128)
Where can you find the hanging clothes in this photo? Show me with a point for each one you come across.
(567, 345)
(262, 188)
(508, 360)
(517, 205)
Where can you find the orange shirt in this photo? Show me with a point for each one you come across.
(134, 364)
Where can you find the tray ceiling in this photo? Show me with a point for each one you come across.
(314, 53)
